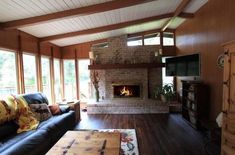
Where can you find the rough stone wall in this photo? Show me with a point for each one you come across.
(119, 53)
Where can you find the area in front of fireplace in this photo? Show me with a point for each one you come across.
(126, 91)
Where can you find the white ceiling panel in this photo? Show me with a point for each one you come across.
(102, 19)
(19, 9)
(128, 30)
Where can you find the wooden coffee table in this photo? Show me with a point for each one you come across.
(87, 143)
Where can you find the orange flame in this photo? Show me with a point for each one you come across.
(125, 92)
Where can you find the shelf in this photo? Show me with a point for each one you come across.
(125, 66)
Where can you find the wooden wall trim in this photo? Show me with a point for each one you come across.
(76, 73)
(20, 66)
(52, 76)
(39, 68)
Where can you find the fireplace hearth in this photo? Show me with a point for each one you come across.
(126, 91)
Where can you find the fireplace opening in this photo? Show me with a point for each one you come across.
(126, 91)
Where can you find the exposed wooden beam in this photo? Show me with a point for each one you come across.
(186, 15)
(83, 11)
(106, 28)
(178, 10)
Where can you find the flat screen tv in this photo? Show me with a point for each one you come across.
(188, 65)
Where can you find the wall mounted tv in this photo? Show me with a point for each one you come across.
(188, 65)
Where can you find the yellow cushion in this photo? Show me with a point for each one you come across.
(25, 118)
(5, 112)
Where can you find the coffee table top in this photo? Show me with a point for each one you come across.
(87, 143)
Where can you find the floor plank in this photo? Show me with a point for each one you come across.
(157, 134)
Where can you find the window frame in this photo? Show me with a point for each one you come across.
(36, 65)
(64, 92)
(16, 67)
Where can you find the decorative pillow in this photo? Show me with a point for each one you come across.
(6, 113)
(41, 111)
(55, 109)
(25, 117)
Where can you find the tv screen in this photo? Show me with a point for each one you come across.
(188, 65)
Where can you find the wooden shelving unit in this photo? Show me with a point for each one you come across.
(125, 66)
(194, 102)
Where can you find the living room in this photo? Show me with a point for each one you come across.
(117, 77)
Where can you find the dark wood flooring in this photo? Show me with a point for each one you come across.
(157, 134)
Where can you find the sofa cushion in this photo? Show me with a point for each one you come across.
(64, 108)
(34, 143)
(7, 129)
(41, 111)
(35, 98)
(12, 139)
(57, 125)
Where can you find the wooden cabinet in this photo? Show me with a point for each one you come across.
(194, 102)
(228, 127)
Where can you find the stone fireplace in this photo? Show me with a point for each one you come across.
(126, 91)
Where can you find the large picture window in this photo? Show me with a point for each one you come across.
(46, 78)
(8, 72)
(84, 80)
(57, 81)
(69, 80)
(30, 74)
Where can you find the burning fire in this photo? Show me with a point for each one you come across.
(125, 92)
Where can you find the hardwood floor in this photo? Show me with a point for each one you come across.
(157, 134)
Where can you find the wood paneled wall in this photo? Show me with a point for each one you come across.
(9, 40)
(68, 52)
(212, 25)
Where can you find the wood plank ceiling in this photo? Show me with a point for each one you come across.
(67, 22)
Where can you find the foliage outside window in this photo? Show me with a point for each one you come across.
(84, 80)
(152, 39)
(168, 39)
(69, 80)
(57, 81)
(135, 41)
(30, 74)
(8, 72)
(46, 79)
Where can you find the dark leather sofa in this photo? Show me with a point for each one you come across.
(39, 141)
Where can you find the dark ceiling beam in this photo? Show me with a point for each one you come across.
(177, 12)
(105, 28)
(83, 11)
(186, 15)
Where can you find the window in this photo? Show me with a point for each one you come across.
(8, 72)
(168, 39)
(69, 80)
(57, 81)
(135, 41)
(84, 80)
(46, 78)
(166, 79)
(30, 74)
(101, 45)
(152, 39)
